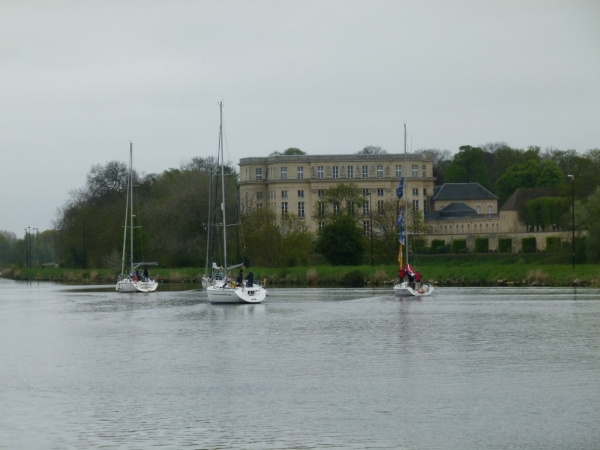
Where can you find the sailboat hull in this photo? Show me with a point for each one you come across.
(228, 294)
(404, 290)
(136, 286)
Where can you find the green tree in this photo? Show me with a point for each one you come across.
(296, 242)
(262, 237)
(371, 150)
(341, 199)
(441, 161)
(341, 241)
(592, 212)
(288, 151)
(468, 166)
(531, 174)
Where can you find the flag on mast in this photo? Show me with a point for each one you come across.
(400, 189)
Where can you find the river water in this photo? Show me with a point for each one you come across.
(467, 368)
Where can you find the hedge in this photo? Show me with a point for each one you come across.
(458, 246)
(438, 246)
(553, 244)
(504, 245)
(528, 245)
(482, 245)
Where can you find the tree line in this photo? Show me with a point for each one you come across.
(174, 212)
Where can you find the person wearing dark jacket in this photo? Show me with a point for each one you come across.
(240, 278)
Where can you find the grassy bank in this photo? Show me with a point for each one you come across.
(443, 270)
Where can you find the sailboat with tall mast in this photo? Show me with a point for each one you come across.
(404, 287)
(134, 281)
(228, 291)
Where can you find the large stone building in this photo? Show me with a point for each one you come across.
(294, 183)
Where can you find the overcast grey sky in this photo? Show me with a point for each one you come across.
(79, 80)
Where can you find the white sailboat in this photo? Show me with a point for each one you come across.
(227, 291)
(134, 281)
(402, 287)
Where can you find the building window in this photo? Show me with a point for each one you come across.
(445, 229)
(300, 173)
(284, 209)
(468, 228)
(416, 192)
(490, 209)
(480, 228)
(487, 227)
(284, 173)
(320, 172)
(415, 205)
(335, 172)
(301, 194)
(283, 194)
(350, 171)
(365, 208)
(365, 171)
(398, 171)
(424, 171)
(336, 207)
(259, 205)
(301, 210)
(321, 224)
(259, 195)
(365, 192)
(424, 192)
(478, 209)
(380, 207)
(321, 192)
(379, 171)
(415, 170)
(321, 208)
(462, 228)
(367, 227)
(430, 230)
(379, 192)
(258, 174)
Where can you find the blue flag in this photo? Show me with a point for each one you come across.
(400, 189)
(400, 225)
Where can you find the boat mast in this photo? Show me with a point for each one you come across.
(125, 226)
(131, 204)
(405, 197)
(208, 225)
(223, 187)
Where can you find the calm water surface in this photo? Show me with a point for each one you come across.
(309, 368)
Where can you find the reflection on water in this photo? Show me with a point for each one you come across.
(311, 368)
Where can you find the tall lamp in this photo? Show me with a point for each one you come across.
(371, 227)
(572, 177)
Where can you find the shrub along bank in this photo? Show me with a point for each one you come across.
(443, 270)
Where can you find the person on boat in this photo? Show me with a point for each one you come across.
(401, 274)
(240, 278)
(250, 280)
(418, 278)
(146, 274)
(226, 280)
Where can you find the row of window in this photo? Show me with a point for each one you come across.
(336, 208)
(448, 229)
(321, 193)
(335, 172)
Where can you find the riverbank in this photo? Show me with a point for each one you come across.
(453, 270)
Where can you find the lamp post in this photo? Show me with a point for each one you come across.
(572, 177)
(371, 227)
(26, 249)
(29, 247)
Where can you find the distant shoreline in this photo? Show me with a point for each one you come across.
(453, 274)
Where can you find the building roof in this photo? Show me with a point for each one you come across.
(522, 195)
(398, 157)
(457, 209)
(462, 191)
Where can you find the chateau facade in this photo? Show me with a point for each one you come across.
(294, 183)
